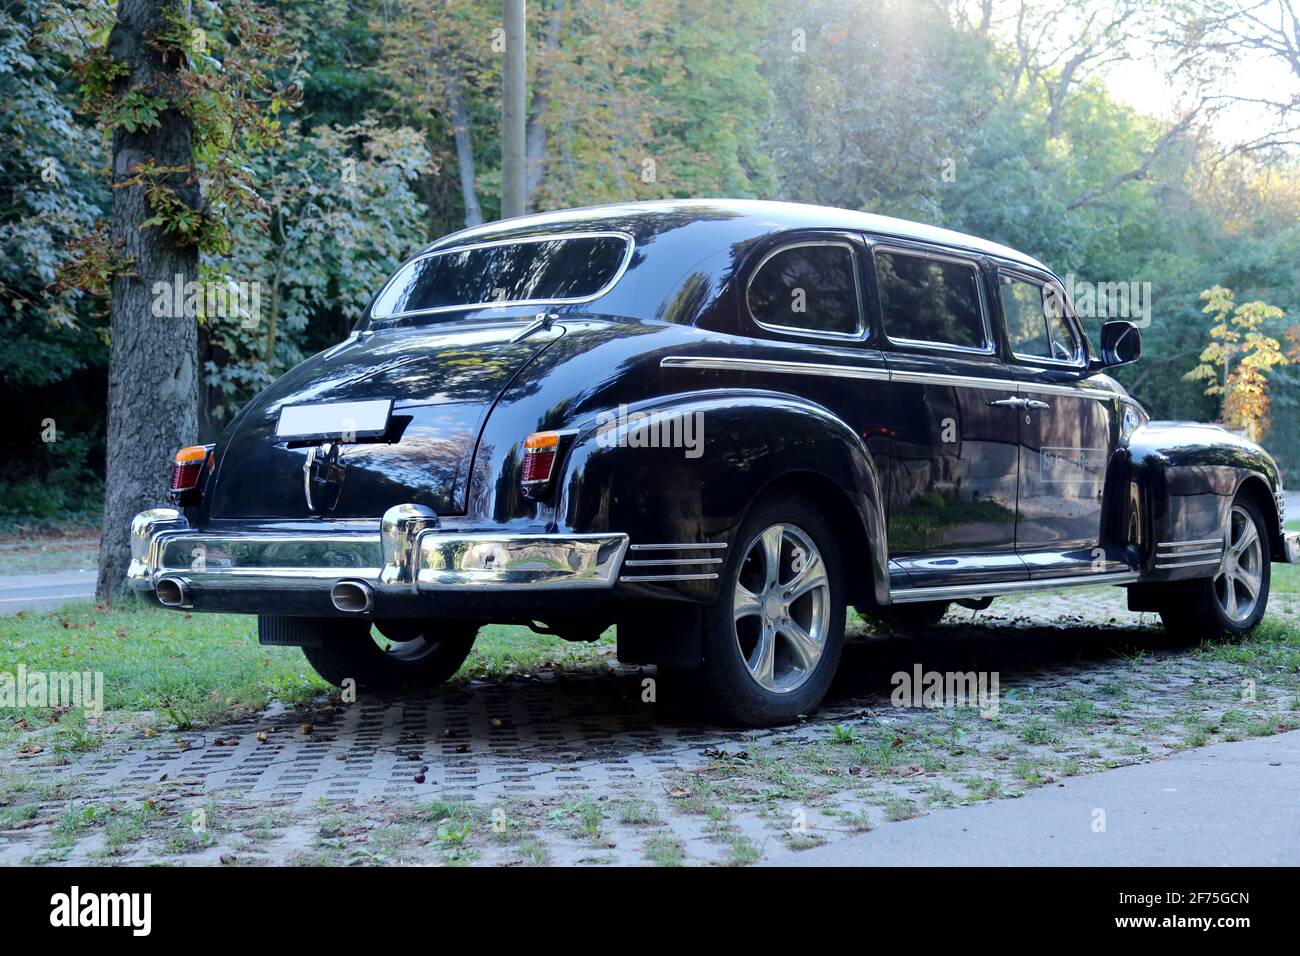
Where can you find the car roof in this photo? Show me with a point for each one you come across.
(745, 218)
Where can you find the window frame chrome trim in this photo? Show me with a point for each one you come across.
(957, 258)
(864, 327)
(1079, 362)
(629, 249)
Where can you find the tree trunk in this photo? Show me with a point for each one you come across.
(535, 137)
(513, 96)
(464, 152)
(153, 363)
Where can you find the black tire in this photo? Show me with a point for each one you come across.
(1198, 609)
(736, 694)
(909, 618)
(424, 655)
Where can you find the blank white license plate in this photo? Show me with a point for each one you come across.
(344, 421)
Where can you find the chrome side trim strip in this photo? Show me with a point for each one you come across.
(647, 578)
(1097, 394)
(1188, 544)
(879, 375)
(958, 591)
(938, 378)
(662, 562)
(676, 547)
(1166, 565)
(1200, 552)
(772, 365)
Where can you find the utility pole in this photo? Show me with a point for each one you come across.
(512, 109)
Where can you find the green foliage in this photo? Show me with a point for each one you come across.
(52, 353)
(133, 111)
(1239, 359)
(890, 106)
(342, 216)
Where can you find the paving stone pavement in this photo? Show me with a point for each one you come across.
(478, 742)
(552, 746)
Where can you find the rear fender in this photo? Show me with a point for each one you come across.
(747, 442)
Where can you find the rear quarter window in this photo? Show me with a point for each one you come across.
(807, 287)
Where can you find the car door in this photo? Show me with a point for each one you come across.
(955, 445)
(1067, 430)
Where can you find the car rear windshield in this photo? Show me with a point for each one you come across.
(517, 272)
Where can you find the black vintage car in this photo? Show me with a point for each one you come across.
(713, 424)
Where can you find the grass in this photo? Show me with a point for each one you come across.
(194, 669)
(638, 813)
(742, 852)
(664, 851)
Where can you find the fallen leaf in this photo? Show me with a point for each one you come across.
(28, 824)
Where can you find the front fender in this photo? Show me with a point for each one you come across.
(748, 440)
(1182, 480)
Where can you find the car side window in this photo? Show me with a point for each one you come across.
(931, 300)
(810, 288)
(1036, 327)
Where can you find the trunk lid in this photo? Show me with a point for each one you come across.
(443, 381)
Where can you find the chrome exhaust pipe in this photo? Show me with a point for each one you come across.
(352, 597)
(174, 592)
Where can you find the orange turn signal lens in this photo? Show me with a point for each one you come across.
(539, 461)
(191, 454)
(538, 441)
(187, 466)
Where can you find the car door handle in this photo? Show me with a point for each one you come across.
(1012, 402)
(1034, 403)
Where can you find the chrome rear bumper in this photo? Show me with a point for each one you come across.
(408, 558)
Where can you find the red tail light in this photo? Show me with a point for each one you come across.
(187, 466)
(540, 449)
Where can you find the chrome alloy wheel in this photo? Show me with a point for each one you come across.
(1240, 576)
(782, 608)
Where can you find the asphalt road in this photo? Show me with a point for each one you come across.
(1232, 804)
(42, 592)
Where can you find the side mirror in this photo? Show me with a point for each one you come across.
(1121, 343)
